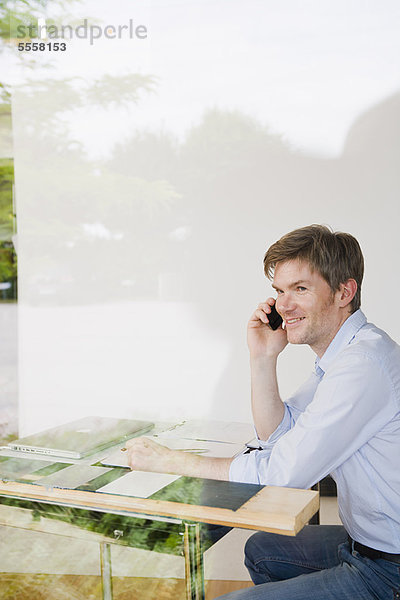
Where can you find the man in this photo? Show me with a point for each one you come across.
(345, 420)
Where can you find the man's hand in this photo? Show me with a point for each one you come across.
(263, 342)
(146, 455)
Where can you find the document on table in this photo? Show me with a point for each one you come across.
(141, 484)
(73, 476)
(217, 431)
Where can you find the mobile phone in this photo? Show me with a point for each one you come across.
(274, 318)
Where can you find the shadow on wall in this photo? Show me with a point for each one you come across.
(245, 204)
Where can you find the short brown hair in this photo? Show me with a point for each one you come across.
(335, 255)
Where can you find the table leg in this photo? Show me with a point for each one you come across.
(106, 575)
(315, 519)
(194, 572)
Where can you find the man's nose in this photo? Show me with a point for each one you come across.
(285, 304)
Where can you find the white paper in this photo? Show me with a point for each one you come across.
(141, 484)
(73, 476)
(217, 431)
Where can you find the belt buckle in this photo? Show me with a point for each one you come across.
(351, 543)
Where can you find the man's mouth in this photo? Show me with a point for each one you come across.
(293, 320)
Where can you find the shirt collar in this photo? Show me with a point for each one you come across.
(343, 337)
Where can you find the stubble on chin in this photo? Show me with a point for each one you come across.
(299, 337)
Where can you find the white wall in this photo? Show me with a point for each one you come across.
(143, 221)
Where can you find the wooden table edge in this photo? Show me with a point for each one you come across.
(245, 517)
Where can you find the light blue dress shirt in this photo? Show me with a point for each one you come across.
(344, 421)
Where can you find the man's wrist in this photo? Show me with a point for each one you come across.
(194, 465)
(263, 361)
(175, 461)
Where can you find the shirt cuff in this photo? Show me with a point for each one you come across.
(284, 426)
(243, 468)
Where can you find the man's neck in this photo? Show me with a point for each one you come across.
(321, 349)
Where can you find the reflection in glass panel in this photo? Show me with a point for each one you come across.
(152, 174)
(8, 276)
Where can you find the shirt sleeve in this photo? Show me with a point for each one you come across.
(351, 404)
(284, 426)
(294, 406)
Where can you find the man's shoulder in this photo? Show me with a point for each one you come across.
(368, 363)
(371, 343)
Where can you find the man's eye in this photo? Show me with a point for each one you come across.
(301, 288)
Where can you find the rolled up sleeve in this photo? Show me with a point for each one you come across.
(244, 466)
(284, 426)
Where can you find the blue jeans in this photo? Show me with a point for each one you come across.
(317, 564)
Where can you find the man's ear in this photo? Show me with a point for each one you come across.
(347, 291)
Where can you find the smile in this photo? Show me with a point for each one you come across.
(296, 320)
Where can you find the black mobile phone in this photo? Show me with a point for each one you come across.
(274, 318)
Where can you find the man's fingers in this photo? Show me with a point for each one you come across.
(139, 442)
(263, 310)
(131, 442)
(143, 454)
(142, 443)
(260, 315)
(266, 306)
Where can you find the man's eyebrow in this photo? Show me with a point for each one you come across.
(294, 284)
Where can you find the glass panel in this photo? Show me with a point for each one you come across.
(8, 257)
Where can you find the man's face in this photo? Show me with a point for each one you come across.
(306, 303)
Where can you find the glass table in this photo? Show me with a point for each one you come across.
(186, 516)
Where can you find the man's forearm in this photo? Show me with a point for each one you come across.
(146, 455)
(194, 465)
(267, 406)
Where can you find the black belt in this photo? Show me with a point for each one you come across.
(372, 553)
